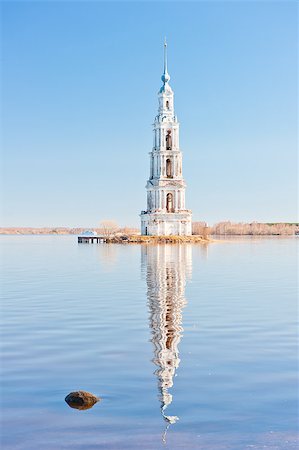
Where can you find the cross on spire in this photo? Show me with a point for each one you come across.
(165, 77)
(165, 55)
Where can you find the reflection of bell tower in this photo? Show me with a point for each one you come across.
(167, 267)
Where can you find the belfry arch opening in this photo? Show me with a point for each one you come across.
(169, 202)
(168, 168)
(167, 104)
(168, 140)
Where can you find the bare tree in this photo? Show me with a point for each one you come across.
(206, 231)
(255, 228)
(108, 228)
(129, 231)
(198, 228)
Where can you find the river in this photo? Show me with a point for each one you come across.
(188, 346)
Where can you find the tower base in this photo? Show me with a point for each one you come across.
(166, 224)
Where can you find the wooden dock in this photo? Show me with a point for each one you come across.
(91, 239)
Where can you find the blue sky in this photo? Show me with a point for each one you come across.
(79, 89)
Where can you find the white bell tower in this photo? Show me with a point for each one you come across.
(166, 213)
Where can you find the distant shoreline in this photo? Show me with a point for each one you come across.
(133, 236)
(46, 231)
(200, 229)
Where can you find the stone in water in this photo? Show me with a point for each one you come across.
(81, 400)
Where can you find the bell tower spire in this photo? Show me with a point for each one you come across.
(165, 77)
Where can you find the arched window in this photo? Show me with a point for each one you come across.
(168, 168)
(169, 203)
(167, 104)
(168, 140)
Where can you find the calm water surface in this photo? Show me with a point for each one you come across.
(189, 347)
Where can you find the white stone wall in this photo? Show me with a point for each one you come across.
(169, 224)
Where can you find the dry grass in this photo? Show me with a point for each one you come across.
(137, 239)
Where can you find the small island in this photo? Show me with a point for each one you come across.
(139, 239)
